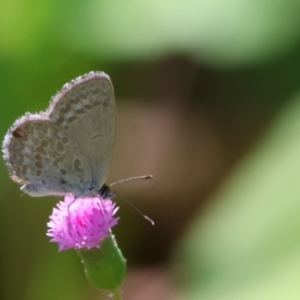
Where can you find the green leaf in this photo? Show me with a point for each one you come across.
(247, 244)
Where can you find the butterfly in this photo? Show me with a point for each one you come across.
(68, 148)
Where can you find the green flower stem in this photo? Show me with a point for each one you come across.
(116, 295)
(105, 267)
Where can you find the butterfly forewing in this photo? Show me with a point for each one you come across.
(86, 112)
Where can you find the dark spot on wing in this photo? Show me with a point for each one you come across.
(18, 133)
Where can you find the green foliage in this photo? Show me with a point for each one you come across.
(247, 245)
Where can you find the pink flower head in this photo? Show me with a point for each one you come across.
(81, 223)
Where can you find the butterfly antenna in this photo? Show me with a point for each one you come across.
(129, 203)
(136, 209)
(132, 178)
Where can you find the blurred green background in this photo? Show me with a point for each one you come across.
(208, 100)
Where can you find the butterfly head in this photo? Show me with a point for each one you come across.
(105, 192)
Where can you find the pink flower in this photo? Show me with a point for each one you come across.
(81, 223)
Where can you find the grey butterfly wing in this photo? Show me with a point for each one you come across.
(68, 148)
(36, 153)
(85, 110)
